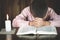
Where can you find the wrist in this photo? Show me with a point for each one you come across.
(47, 23)
(30, 23)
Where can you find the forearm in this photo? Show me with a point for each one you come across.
(19, 23)
(55, 23)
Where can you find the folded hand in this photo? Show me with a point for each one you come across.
(37, 22)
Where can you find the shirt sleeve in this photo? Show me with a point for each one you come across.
(20, 20)
(56, 18)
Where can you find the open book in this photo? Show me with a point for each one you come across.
(33, 30)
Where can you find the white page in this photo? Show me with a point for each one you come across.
(47, 30)
(26, 30)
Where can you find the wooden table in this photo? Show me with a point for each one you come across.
(15, 37)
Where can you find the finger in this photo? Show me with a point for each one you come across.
(39, 19)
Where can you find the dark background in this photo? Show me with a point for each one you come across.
(14, 7)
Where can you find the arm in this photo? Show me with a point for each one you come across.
(19, 20)
(55, 17)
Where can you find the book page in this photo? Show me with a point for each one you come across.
(46, 30)
(26, 30)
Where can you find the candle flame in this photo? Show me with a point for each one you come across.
(7, 16)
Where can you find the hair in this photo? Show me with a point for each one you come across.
(39, 8)
(57, 9)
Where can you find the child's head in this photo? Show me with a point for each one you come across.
(39, 8)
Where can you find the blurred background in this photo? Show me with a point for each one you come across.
(14, 7)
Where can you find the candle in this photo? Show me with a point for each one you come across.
(7, 24)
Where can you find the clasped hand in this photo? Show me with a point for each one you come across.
(37, 22)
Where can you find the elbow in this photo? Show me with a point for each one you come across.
(14, 23)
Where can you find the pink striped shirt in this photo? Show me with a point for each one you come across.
(20, 19)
